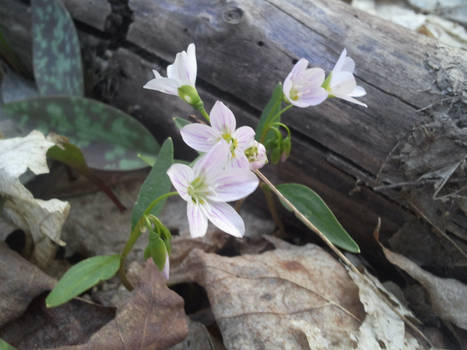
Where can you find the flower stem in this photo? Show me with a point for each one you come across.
(265, 131)
(349, 264)
(135, 233)
(204, 113)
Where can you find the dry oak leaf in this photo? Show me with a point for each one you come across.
(258, 299)
(448, 296)
(152, 319)
(40, 217)
(20, 283)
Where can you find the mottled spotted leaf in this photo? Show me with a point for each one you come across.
(56, 50)
(109, 138)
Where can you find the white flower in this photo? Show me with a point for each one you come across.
(208, 186)
(166, 269)
(203, 137)
(181, 73)
(342, 83)
(302, 87)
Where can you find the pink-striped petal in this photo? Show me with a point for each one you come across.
(181, 176)
(311, 78)
(225, 218)
(197, 221)
(222, 118)
(244, 136)
(213, 161)
(234, 184)
(200, 137)
(287, 86)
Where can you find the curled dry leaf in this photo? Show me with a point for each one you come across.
(152, 319)
(382, 328)
(40, 217)
(447, 296)
(20, 283)
(256, 298)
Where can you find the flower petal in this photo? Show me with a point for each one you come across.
(222, 118)
(299, 67)
(165, 85)
(191, 63)
(181, 176)
(358, 92)
(213, 161)
(200, 137)
(234, 184)
(340, 62)
(244, 136)
(287, 86)
(197, 221)
(166, 269)
(225, 218)
(311, 78)
(351, 99)
(342, 83)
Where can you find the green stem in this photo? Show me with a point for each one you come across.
(135, 233)
(265, 131)
(204, 113)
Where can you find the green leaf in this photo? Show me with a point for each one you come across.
(148, 159)
(156, 250)
(5, 346)
(156, 184)
(56, 50)
(83, 276)
(310, 204)
(180, 122)
(109, 138)
(269, 115)
(70, 155)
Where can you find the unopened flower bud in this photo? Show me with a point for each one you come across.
(286, 146)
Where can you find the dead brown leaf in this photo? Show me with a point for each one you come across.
(448, 296)
(153, 318)
(258, 299)
(20, 283)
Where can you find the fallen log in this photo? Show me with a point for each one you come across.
(402, 159)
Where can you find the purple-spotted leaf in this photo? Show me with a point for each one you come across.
(109, 138)
(56, 50)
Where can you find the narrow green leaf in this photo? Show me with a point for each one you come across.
(156, 184)
(180, 122)
(109, 138)
(83, 276)
(310, 204)
(269, 114)
(5, 346)
(56, 50)
(148, 159)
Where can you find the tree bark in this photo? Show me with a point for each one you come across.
(402, 159)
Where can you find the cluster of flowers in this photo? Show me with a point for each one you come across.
(224, 172)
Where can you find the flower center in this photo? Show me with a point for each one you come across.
(198, 190)
(232, 141)
(251, 153)
(293, 94)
